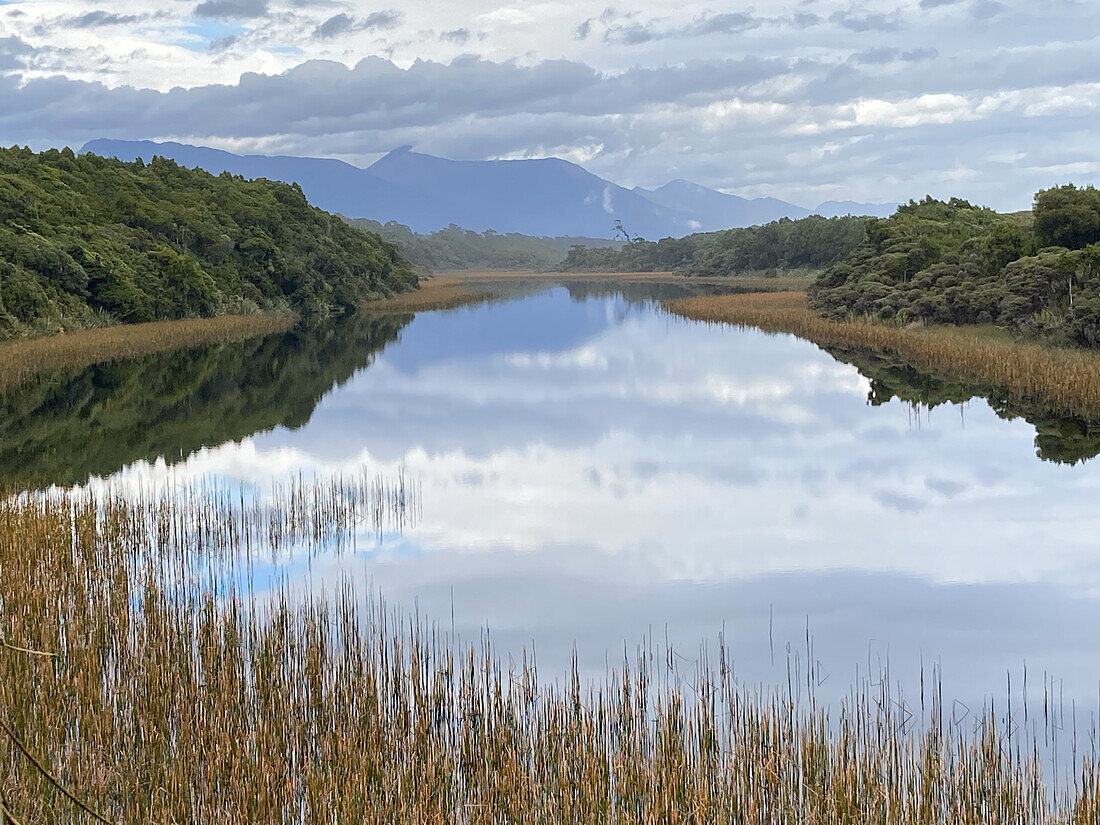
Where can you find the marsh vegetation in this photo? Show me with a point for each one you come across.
(144, 675)
(1062, 379)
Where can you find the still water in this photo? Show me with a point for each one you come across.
(596, 473)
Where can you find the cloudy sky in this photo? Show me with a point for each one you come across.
(808, 101)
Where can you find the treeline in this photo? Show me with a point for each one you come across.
(955, 263)
(458, 248)
(87, 241)
(781, 246)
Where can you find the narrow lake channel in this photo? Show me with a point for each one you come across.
(595, 473)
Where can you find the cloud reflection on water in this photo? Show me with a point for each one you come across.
(615, 471)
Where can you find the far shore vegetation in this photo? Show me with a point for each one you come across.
(788, 247)
(455, 248)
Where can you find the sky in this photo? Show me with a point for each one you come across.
(879, 100)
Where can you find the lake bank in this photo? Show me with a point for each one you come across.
(457, 288)
(23, 358)
(1066, 379)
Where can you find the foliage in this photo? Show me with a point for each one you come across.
(955, 263)
(457, 248)
(86, 241)
(784, 245)
(65, 426)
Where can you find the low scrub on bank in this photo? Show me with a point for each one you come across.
(86, 241)
(144, 678)
(955, 263)
(1064, 379)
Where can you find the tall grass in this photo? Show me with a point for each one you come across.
(1065, 380)
(154, 686)
(23, 358)
(438, 293)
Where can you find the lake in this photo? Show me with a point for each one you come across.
(596, 474)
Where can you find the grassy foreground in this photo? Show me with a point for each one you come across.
(134, 683)
(1064, 379)
(23, 358)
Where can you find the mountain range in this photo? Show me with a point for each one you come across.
(534, 197)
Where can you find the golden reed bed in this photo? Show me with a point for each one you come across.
(23, 358)
(1065, 380)
(157, 684)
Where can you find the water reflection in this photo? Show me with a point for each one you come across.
(63, 427)
(594, 471)
(1059, 438)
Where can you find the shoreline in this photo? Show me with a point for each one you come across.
(23, 358)
(452, 289)
(1067, 380)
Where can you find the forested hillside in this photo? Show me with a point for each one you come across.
(952, 262)
(86, 241)
(780, 246)
(458, 248)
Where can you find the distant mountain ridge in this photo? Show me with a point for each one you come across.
(540, 197)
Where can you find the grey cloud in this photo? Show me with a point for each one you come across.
(325, 98)
(336, 25)
(919, 54)
(12, 50)
(344, 23)
(630, 35)
(231, 9)
(93, 19)
(866, 21)
(222, 44)
(805, 20)
(876, 56)
(985, 9)
(882, 55)
(387, 19)
(729, 23)
(582, 30)
(935, 4)
(459, 36)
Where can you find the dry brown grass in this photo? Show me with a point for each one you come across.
(467, 287)
(438, 293)
(173, 692)
(740, 282)
(19, 360)
(1065, 380)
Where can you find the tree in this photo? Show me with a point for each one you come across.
(1068, 216)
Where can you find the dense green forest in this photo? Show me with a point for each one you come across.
(87, 241)
(781, 246)
(458, 248)
(953, 262)
(64, 426)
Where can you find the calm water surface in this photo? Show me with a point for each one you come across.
(596, 472)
